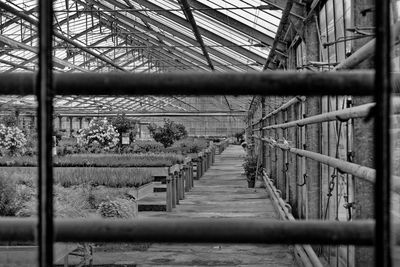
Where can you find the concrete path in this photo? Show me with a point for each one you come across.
(221, 193)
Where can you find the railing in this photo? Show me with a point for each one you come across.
(46, 230)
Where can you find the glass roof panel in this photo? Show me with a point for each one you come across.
(139, 39)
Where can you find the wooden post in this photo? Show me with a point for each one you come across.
(173, 191)
(197, 164)
(169, 194)
(177, 187)
(183, 182)
(59, 122)
(70, 126)
(191, 174)
(187, 177)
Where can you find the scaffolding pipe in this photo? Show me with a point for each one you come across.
(362, 172)
(285, 106)
(365, 52)
(287, 214)
(201, 83)
(342, 114)
(223, 230)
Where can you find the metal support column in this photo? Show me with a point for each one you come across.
(45, 129)
(383, 227)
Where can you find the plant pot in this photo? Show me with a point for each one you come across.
(251, 184)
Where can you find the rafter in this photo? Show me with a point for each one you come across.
(189, 16)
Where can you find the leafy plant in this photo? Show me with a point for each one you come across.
(250, 168)
(169, 133)
(99, 132)
(9, 120)
(118, 208)
(8, 193)
(124, 125)
(12, 140)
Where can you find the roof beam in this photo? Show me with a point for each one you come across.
(297, 12)
(15, 65)
(215, 37)
(189, 16)
(154, 114)
(57, 34)
(282, 24)
(148, 40)
(130, 24)
(237, 25)
(205, 32)
(13, 43)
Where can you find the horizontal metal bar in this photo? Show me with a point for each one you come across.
(285, 106)
(152, 114)
(252, 83)
(342, 114)
(230, 230)
(357, 170)
(366, 51)
(281, 207)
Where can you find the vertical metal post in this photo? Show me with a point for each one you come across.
(263, 144)
(383, 229)
(45, 129)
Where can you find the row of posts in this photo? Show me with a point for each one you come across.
(182, 181)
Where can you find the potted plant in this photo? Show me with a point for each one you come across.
(250, 169)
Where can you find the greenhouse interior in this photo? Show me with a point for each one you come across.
(200, 133)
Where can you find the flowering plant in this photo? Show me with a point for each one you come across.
(12, 139)
(99, 132)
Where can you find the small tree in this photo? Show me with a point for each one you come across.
(124, 125)
(169, 133)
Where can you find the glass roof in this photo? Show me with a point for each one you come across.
(140, 36)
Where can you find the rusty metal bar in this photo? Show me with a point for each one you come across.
(383, 227)
(285, 106)
(364, 52)
(360, 171)
(282, 209)
(45, 130)
(342, 114)
(180, 230)
(262, 83)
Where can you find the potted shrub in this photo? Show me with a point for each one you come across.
(250, 169)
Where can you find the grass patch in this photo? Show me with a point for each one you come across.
(67, 177)
(100, 160)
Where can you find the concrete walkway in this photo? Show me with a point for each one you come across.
(221, 193)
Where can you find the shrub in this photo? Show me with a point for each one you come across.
(9, 120)
(124, 125)
(8, 194)
(169, 133)
(148, 146)
(99, 132)
(250, 167)
(118, 208)
(12, 140)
